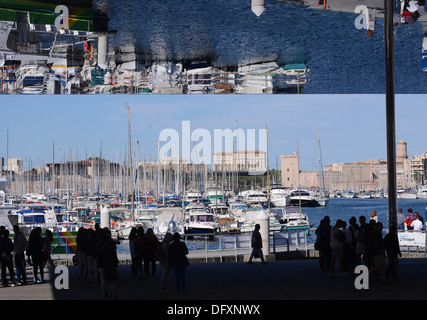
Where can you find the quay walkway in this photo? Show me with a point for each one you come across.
(238, 281)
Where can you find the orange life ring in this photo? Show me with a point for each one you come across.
(149, 199)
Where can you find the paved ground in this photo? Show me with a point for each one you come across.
(209, 282)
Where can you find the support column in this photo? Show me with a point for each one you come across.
(105, 217)
(263, 220)
(390, 112)
(102, 50)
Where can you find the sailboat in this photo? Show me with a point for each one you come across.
(291, 216)
(322, 200)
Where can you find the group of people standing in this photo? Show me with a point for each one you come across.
(407, 11)
(358, 244)
(171, 253)
(412, 221)
(13, 252)
(97, 259)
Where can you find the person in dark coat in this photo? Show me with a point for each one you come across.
(108, 267)
(178, 259)
(323, 233)
(150, 244)
(134, 254)
(35, 253)
(20, 243)
(376, 249)
(165, 261)
(256, 245)
(139, 249)
(392, 249)
(82, 247)
(6, 249)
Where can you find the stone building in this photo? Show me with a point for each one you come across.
(247, 160)
(357, 175)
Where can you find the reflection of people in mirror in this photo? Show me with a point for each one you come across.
(371, 22)
(323, 2)
(88, 50)
(409, 11)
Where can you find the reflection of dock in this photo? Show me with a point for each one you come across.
(118, 75)
(339, 6)
(81, 16)
(38, 57)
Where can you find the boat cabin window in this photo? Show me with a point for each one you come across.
(204, 218)
(34, 219)
(302, 193)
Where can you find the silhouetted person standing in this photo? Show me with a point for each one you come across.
(256, 245)
(35, 253)
(150, 244)
(6, 249)
(377, 251)
(108, 264)
(165, 261)
(323, 233)
(393, 253)
(20, 245)
(178, 258)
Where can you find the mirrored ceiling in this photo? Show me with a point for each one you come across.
(208, 47)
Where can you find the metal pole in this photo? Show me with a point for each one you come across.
(390, 112)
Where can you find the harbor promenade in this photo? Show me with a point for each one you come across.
(233, 281)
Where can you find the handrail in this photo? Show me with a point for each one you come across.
(239, 243)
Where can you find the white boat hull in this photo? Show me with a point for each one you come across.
(283, 202)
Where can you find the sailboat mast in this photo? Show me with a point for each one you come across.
(130, 164)
(268, 173)
(299, 182)
(320, 164)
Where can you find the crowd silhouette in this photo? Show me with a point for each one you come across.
(96, 257)
(342, 248)
(13, 255)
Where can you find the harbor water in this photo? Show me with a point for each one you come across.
(339, 208)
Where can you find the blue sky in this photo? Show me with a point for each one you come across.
(352, 127)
